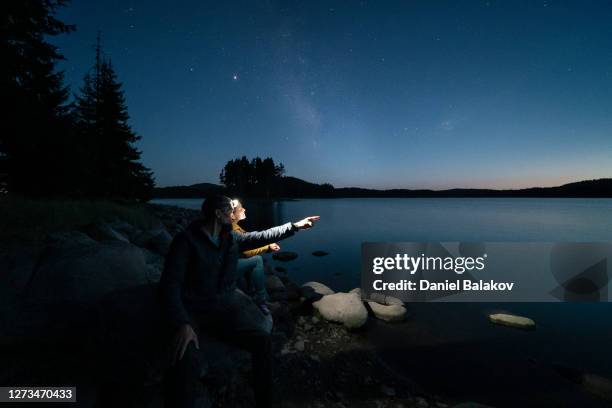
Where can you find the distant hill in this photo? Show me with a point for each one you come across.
(293, 187)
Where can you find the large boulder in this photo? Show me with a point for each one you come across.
(85, 273)
(157, 240)
(69, 278)
(345, 308)
(126, 229)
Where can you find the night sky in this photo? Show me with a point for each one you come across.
(373, 94)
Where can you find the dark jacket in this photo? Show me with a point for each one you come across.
(198, 275)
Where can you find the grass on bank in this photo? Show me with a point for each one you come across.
(30, 219)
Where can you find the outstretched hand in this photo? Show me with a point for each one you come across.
(307, 222)
(183, 337)
(274, 247)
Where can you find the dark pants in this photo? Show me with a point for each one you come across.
(239, 322)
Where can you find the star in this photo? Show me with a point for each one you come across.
(235, 77)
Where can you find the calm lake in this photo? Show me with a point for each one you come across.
(450, 348)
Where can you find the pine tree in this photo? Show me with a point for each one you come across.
(35, 135)
(102, 117)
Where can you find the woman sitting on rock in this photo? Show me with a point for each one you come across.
(251, 265)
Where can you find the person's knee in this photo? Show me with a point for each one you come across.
(258, 267)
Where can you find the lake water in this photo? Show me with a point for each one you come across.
(451, 349)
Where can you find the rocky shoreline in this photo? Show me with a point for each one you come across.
(80, 310)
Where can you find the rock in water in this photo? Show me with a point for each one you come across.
(512, 321)
(285, 256)
(320, 253)
(384, 299)
(388, 313)
(345, 308)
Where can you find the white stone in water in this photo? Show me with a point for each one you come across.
(512, 321)
(345, 308)
(388, 313)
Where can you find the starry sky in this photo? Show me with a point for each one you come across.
(377, 94)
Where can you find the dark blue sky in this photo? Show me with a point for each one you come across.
(371, 93)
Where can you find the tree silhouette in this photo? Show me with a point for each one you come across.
(102, 119)
(256, 177)
(36, 126)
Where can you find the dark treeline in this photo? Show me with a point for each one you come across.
(50, 146)
(292, 187)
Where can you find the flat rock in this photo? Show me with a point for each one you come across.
(509, 320)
